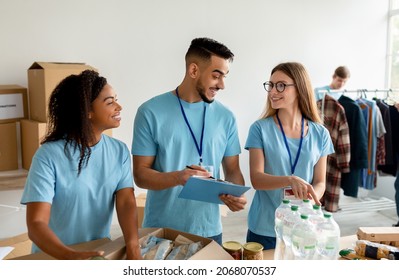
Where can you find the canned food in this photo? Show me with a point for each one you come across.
(253, 251)
(234, 249)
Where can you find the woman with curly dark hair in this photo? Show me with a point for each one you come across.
(79, 174)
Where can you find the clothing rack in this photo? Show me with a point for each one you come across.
(391, 96)
(357, 90)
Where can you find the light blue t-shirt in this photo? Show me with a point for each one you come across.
(319, 95)
(81, 206)
(160, 131)
(266, 135)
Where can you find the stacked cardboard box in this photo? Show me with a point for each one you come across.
(43, 77)
(13, 103)
(32, 133)
(8, 147)
(13, 107)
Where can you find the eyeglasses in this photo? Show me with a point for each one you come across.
(280, 86)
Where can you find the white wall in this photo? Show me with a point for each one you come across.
(140, 45)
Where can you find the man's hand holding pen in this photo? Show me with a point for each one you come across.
(200, 171)
(232, 202)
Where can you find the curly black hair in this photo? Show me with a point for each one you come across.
(69, 107)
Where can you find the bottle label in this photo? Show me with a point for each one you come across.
(309, 247)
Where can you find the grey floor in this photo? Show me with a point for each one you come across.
(364, 211)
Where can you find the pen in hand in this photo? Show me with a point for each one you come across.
(189, 167)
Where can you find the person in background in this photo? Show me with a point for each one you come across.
(340, 77)
(188, 127)
(288, 148)
(397, 185)
(78, 174)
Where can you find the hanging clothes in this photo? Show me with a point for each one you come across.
(388, 160)
(335, 121)
(358, 150)
(392, 168)
(381, 132)
(375, 129)
(384, 109)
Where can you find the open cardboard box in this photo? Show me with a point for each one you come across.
(21, 243)
(210, 251)
(116, 249)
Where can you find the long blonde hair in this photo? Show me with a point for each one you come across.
(306, 99)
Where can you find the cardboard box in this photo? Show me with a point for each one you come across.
(116, 249)
(210, 251)
(43, 77)
(13, 103)
(21, 243)
(32, 133)
(112, 249)
(384, 235)
(90, 245)
(8, 147)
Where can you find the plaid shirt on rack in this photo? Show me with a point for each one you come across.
(334, 119)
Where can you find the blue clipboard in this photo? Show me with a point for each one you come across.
(208, 190)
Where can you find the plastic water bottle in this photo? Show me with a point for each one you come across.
(281, 211)
(288, 224)
(306, 207)
(317, 210)
(317, 216)
(304, 239)
(328, 241)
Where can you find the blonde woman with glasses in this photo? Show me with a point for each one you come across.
(288, 148)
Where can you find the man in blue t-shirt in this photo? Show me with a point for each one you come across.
(187, 127)
(339, 79)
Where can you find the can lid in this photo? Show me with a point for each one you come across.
(253, 246)
(232, 245)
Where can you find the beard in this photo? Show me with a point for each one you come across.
(201, 91)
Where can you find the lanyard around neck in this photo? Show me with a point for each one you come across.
(293, 166)
(199, 147)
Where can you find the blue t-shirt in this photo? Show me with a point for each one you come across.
(81, 206)
(160, 131)
(265, 134)
(319, 95)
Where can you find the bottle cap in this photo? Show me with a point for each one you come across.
(304, 216)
